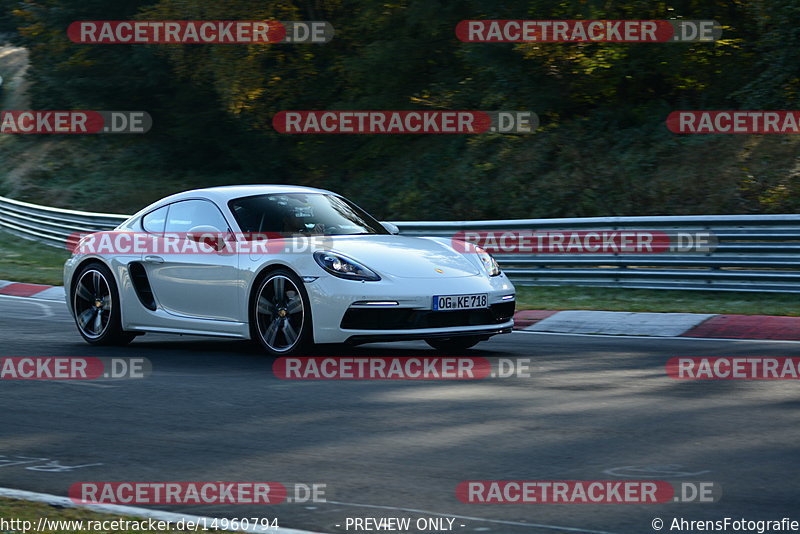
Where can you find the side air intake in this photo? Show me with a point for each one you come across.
(142, 285)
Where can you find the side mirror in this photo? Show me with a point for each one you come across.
(208, 235)
(391, 228)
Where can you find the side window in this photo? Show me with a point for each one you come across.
(185, 215)
(154, 221)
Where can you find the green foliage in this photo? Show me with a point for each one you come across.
(602, 149)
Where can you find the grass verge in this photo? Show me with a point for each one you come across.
(656, 300)
(27, 261)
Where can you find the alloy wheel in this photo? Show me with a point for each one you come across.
(280, 313)
(93, 303)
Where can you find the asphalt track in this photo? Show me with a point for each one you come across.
(594, 408)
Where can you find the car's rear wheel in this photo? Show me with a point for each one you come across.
(449, 344)
(96, 307)
(282, 314)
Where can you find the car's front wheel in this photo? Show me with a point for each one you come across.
(96, 307)
(282, 314)
(456, 343)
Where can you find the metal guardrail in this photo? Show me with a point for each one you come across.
(754, 252)
(51, 226)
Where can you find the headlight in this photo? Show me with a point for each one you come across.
(344, 267)
(488, 262)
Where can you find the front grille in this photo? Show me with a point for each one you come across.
(406, 318)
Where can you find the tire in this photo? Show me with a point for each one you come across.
(281, 314)
(96, 307)
(451, 344)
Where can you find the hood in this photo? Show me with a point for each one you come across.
(404, 256)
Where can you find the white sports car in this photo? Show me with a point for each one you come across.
(288, 266)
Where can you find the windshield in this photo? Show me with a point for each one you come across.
(298, 214)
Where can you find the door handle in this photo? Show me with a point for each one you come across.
(154, 259)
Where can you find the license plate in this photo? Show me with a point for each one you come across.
(460, 302)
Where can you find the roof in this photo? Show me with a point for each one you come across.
(222, 194)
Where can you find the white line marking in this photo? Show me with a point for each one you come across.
(620, 323)
(470, 518)
(47, 312)
(84, 383)
(53, 293)
(658, 338)
(133, 511)
(51, 301)
(651, 471)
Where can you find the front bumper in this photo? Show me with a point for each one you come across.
(338, 319)
(485, 333)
